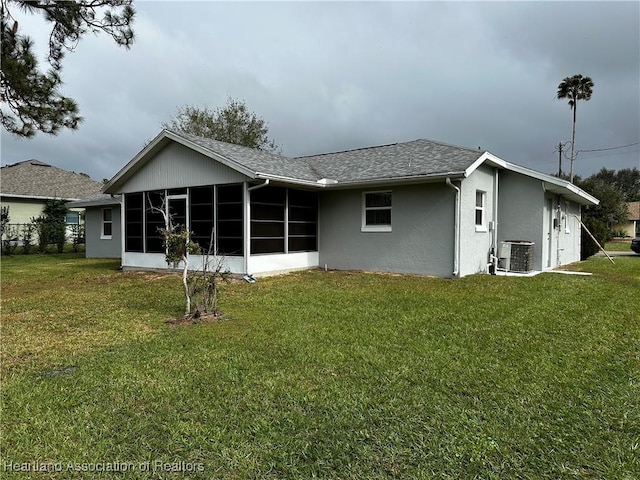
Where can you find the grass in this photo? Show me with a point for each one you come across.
(321, 375)
(618, 246)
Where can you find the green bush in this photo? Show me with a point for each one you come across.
(601, 233)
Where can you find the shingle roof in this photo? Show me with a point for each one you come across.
(634, 210)
(33, 178)
(418, 160)
(398, 160)
(96, 201)
(255, 160)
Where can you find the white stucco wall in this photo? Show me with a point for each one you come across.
(475, 242)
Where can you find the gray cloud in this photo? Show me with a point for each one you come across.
(333, 76)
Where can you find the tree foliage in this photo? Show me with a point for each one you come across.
(232, 124)
(51, 225)
(575, 88)
(626, 181)
(31, 98)
(613, 189)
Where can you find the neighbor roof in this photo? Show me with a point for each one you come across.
(418, 160)
(36, 179)
(634, 210)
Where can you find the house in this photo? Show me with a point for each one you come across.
(26, 186)
(103, 233)
(420, 207)
(632, 227)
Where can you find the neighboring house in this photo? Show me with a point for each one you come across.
(26, 186)
(632, 227)
(418, 207)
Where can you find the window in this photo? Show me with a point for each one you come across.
(107, 224)
(133, 214)
(201, 208)
(480, 216)
(376, 214)
(230, 219)
(267, 220)
(302, 221)
(72, 218)
(154, 222)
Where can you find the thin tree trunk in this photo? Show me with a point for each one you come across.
(573, 139)
(187, 310)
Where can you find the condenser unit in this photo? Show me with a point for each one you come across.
(516, 256)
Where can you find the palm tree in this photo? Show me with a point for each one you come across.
(575, 88)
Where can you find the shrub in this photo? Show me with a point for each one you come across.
(27, 238)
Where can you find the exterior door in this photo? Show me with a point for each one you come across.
(547, 251)
(178, 211)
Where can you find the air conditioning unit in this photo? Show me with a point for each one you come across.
(516, 256)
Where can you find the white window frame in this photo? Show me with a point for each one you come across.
(482, 226)
(365, 209)
(103, 222)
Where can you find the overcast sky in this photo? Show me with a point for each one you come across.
(333, 76)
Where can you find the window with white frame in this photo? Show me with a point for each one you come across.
(480, 210)
(376, 211)
(107, 223)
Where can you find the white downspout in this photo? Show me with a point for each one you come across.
(456, 231)
(247, 230)
(494, 259)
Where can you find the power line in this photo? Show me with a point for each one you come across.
(609, 148)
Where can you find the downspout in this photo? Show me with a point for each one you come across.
(456, 230)
(494, 238)
(122, 232)
(247, 230)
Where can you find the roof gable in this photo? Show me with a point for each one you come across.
(36, 179)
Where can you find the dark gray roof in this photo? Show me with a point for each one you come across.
(255, 160)
(97, 201)
(398, 160)
(418, 160)
(33, 178)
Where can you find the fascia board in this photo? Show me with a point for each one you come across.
(485, 157)
(125, 172)
(361, 183)
(36, 197)
(558, 182)
(289, 180)
(563, 184)
(160, 140)
(408, 180)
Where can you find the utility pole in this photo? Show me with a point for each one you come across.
(559, 159)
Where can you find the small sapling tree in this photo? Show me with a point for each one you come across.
(204, 284)
(200, 287)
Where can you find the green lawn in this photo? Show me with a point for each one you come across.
(334, 375)
(618, 246)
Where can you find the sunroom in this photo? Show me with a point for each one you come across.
(253, 228)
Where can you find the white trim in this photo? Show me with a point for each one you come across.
(103, 222)
(375, 228)
(37, 197)
(482, 226)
